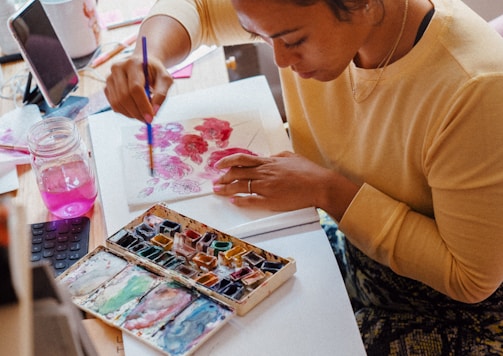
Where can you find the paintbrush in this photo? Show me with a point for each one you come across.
(102, 58)
(22, 149)
(150, 136)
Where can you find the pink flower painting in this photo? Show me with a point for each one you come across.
(215, 130)
(192, 146)
(171, 167)
(185, 154)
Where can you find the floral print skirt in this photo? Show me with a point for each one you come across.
(400, 316)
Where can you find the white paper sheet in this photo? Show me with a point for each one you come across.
(14, 127)
(252, 94)
(184, 154)
(199, 53)
(8, 179)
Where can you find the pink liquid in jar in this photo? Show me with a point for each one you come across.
(68, 190)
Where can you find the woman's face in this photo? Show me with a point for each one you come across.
(309, 39)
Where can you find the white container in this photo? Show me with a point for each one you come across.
(76, 24)
(7, 43)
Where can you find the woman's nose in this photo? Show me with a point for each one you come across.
(283, 57)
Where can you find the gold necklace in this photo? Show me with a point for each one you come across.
(384, 63)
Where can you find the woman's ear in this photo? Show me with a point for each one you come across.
(373, 11)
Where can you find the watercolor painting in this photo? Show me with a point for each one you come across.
(185, 153)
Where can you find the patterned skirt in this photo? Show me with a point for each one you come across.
(400, 316)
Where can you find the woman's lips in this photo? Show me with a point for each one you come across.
(305, 75)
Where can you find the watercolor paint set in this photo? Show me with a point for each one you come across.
(172, 281)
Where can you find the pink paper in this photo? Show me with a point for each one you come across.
(185, 72)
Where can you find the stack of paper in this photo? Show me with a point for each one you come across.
(14, 127)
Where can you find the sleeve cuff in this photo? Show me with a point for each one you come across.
(372, 223)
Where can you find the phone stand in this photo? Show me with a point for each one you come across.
(68, 108)
(32, 96)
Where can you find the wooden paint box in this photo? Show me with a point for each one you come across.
(164, 269)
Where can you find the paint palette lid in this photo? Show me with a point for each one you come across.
(157, 310)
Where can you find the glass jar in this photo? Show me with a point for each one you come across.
(60, 160)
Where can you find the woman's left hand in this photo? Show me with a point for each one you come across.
(285, 181)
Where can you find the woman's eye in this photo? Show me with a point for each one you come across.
(295, 44)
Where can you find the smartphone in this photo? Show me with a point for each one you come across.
(50, 65)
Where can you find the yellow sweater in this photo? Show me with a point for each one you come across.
(426, 145)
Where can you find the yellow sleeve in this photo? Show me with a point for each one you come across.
(211, 22)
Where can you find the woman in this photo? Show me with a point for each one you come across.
(396, 119)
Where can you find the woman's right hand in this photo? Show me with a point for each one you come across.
(125, 87)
